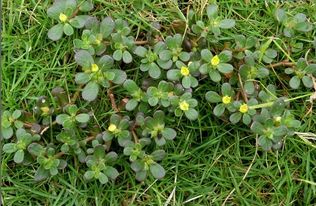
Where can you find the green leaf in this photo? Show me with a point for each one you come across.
(169, 133)
(226, 23)
(106, 26)
(249, 87)
(106, 62)
(56, 32)
(206, 55)
(235, 118)
(86, 6)
(184, 56)
(16, 114)
(157, 170)
(158, 155)
(165, 55)
(82, 118)
(79, 21)
(35, 149)
(111, 172)
(225, 56)
(103, 178)
(82, 78)
(257, 127)
(19, 156)
(280, 15)
(90, 91)
(295, 82)
(61, 118)
(213, 97)
(6, 133)
(173, 74)
(41, 174)
(84, 58)
(88, 175)
(219, 110)
(68, 30)
(117, 55)
(186, 82)
(307, 81)
(130, 86)
(127, 57)
(140, 51)
(265, 143)
(215, 76)
(154, 71)
(9, 148)
(225, 68)
(191, 114)
(211, 11)
(120, 76)
(131, 105)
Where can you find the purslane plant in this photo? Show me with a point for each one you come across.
(136, 119)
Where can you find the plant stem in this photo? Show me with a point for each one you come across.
(269, 104)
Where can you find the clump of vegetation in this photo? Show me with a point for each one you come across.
(140, 123)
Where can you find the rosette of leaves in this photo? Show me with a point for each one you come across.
(273, 124)
(118, 128)
(48, 160)
(160, 94)
(215, 65)
(150, 59)
(174, 51)
(135, 150)
(70, 142)
(224, 100)
(149, 163)
(136, 93)
(243, 44)
(96, 73)
(9, 121)
(156, 129)
(66, 15)
(292, 24)
(214, 24)
(72, 117)
(251, 71)
(24, 139)
(93, 40)
(99, 165)
(302, 73)
(122, 43)
(244, 112)
(185, 104)
(185, 73)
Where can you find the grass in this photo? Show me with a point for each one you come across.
(210, 162)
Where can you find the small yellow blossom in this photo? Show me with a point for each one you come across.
(63, 17)
(185, 71)
(112, 128)
(94, 68)
(184, 106)
(243, 108)
(226, 99)
(45, 110)
(215, 60)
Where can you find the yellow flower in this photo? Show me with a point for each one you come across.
(94, 68)
(185, 71)
(243, 108)
(215, 60)
(63, 17)
(112, 128)
(45, 110)
(226, 99)
(184, 106)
